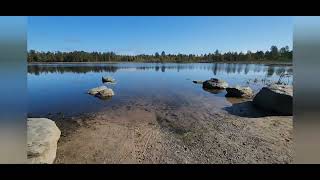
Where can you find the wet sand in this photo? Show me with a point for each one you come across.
(197, 133)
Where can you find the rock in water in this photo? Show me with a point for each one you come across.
(96, 90)
(198, 82)
(238, 91)
(275, 98)
(214, 91)
(214, 83)
(108, 79)
(106, 93)
(42, 138)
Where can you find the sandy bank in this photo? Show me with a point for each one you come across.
(145, 134)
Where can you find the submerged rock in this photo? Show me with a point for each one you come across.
(214, 91)
(214, 83)
(96, 90)
(42, 138)
(106, 93)
(108, 79)
(275, 98)
(238, 91)
(197, 82)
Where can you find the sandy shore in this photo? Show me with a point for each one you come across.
(147, 134)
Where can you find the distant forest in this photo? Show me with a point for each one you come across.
(274, 54)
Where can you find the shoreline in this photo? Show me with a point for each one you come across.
(155, 134)
(288, 63)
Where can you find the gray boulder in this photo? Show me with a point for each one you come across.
(106, 93)
(96, 90)
(238, 91)
(214, 83)
(42, 138)
(275, 98)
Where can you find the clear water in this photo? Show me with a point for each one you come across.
(62, 88)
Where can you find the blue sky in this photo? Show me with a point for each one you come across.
(150, 34)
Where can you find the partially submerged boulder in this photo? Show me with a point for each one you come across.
(108, 79)
(96, 90)
(214, 91)
(101, 92)
(275, 98)
(214, 83)
(42, 138)
(239, 91)
(106, 93)
(197, 82)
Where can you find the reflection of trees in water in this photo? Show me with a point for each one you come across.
(37, 69)
(163, 68)
(270, 71)
(157, 68)
(215, 69)
(234, 68)
(246, 69)
(278, 70)
(257, 69)
(228, 68)
(239, 68)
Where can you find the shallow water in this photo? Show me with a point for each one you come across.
(62, 88)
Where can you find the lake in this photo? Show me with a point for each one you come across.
(62, 88)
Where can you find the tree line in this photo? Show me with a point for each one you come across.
(274, 54)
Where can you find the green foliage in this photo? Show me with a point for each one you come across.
(275, 54)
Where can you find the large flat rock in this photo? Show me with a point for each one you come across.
(43, 135)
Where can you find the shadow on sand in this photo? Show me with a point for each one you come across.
(247, 109)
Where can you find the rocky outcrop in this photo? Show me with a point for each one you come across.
(108, 79)
(96, 90)
(42, 138)
(214, 83)
(106, 93)
(239, 91)
(275, 98)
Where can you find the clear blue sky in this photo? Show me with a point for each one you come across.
(150, 34)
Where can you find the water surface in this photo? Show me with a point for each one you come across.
(61, 88)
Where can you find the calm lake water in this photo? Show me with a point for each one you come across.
(62, 88)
